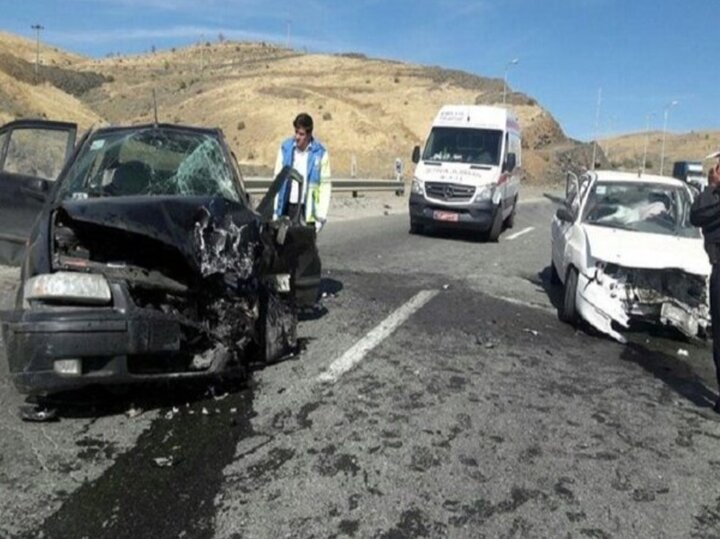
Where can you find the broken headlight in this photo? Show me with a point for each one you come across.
(484, 192)
(68, 287)
(603, 269)
(417, 187)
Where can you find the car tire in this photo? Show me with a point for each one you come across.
(554, 275)
(277, 328)
(510, 221)
(493, 235)
(568, 309)
(416, 228)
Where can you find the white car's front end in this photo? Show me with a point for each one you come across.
(630, 276)
(625, 250)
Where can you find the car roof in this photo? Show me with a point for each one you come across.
(616, 176)
(141, 127)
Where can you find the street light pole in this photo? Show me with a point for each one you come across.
(512, 62)
(37, 28)
(597, 124)
(662, 152)
(610, 121)
(647, 138)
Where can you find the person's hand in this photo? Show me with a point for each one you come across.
(319, 224)
(714, 176)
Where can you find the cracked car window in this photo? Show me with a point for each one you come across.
(151, 162)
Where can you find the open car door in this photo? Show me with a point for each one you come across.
(32, 154)
(295, 243)
(560, 228)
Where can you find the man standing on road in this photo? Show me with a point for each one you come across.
(705, 213)
(310, 159)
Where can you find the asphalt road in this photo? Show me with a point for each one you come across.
(437, 394)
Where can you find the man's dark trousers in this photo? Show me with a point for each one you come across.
(715, 317)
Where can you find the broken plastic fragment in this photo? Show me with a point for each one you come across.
(164, 462)
(38, 413)
(133, 412)
(682, 352)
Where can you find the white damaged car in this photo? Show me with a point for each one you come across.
(624, 250)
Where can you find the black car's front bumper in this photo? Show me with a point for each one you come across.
(114, 346)
(477, 216)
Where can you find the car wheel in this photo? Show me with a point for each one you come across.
(568, 310)
(510, 221)
(554, 275)
(416, 228)
(277, 328)
(496, 228)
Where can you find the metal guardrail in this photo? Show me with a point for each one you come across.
(258, 185)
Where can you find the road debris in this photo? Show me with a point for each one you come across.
(133, 412)
(38, 414)
(682, 352)
(487, 342)
(532, 332)
(164, 462)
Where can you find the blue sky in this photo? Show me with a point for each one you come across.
(644, 54)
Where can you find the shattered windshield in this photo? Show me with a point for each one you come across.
(151, 161)
(464, 145)
(640, 207)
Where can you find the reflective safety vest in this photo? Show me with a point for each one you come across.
(311, 187)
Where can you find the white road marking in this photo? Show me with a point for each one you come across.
(529, 304)
(523, 231)
(358, 351)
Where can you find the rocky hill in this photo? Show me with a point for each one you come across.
(368, 109)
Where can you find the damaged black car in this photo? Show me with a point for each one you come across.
(147, 262)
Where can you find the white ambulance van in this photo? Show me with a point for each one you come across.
(468, 175)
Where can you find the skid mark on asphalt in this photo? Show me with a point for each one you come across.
(360, 349)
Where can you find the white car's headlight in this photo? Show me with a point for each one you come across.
(417, 187)
(68, 287)
(485, 192)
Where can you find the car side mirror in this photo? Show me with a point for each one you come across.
(565, 215)
(510, 162)
(416, 154)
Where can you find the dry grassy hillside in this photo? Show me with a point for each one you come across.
(626, 151)
(375, 110)
(22, 95)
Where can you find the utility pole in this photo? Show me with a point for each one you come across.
(609, 133)
(511, 63)
(662, 152)
(597, 123)
(37, 28)
(647, 139)
(202, 53)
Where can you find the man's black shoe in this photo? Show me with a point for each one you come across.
(716, 408)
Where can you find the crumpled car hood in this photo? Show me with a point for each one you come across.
(174, 221)
(648, 251)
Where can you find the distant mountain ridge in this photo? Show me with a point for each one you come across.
(367, 110)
